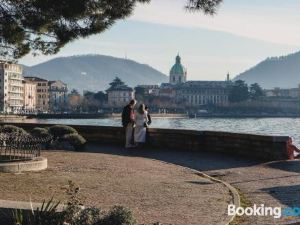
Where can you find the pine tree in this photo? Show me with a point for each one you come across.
(45, 26)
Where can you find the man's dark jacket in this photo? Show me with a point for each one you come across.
(126, 118)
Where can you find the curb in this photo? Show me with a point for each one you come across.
(234, 193)
(36, 164)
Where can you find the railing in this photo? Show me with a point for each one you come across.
(16, 147)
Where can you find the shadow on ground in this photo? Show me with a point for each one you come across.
(204, 161)
(287, 195)
(290, 166)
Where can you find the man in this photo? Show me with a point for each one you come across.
(128, 122)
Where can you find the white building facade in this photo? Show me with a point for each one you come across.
(119, 96)
(11, 88)
(57, 95)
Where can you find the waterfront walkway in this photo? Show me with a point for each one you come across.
(272, 184)
(154, 190)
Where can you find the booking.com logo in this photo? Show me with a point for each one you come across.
(262, 210)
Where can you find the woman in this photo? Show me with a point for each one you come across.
(141, 123)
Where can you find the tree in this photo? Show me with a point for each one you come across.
(239, 92)
(74, 92)
(45, 26)
(75, 100)
(256, 91)
(100, 96)
(139, 93)
(116, 82)
(89, 94)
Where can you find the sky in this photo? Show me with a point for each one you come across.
(240, 35)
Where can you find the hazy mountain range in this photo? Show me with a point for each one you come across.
(283, 72)
(95, 72)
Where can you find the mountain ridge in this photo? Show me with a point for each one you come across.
(281, 71)
(97, 71)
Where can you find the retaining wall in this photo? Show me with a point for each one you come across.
(255, 146)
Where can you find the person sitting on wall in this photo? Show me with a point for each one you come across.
(292, 149)
(128, 121)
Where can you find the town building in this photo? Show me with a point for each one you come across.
(42, 93)
(11, 88)
(150, 90)
(200, 93)
(57, 95)
(167, 90)
(30, 93)
(178, 73)
(284, 92)
(119, 95)
(194, 93)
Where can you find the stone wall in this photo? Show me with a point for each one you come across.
(254, 146)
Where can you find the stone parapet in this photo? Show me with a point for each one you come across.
(255, 146)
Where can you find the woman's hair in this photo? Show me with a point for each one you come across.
(141, 109)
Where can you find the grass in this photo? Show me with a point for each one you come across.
(244, 203)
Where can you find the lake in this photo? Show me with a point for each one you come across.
(268, 126)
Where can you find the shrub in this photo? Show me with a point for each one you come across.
(46, 214)
(73, 213)
(58, 131)
(118, 216)
(40, 132)
(75, 140)
(88, 216)
(11, 129)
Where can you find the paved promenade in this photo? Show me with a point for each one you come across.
(273, 184)
(154, 190)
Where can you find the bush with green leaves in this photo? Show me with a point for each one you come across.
(11, 129)
(73, 214)
(46, 214)
(118, 215)
(40, 132)
(88, 216)
(75, 140)
(58, 131)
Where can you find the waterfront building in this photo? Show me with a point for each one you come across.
(29, 96)
(119, 95)
(200, 93)
(42, 93)
(150, 90)
(284, 92)
(11, 88)
(57, 95)
(178, 73)
(167, 90)
(194, 93)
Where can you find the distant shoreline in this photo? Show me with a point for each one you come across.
(99, 116)
(4, 118)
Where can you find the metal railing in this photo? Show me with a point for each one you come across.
(19, 147)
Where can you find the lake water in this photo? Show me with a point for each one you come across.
(268, 126)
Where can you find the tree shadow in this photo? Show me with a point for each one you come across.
(203, 161)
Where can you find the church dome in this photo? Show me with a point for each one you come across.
(178, 68)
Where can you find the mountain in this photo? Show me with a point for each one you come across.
(95, 72)
(283, 72)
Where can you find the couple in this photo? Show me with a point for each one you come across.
(135, 124)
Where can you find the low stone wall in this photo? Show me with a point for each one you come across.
(254, 146)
